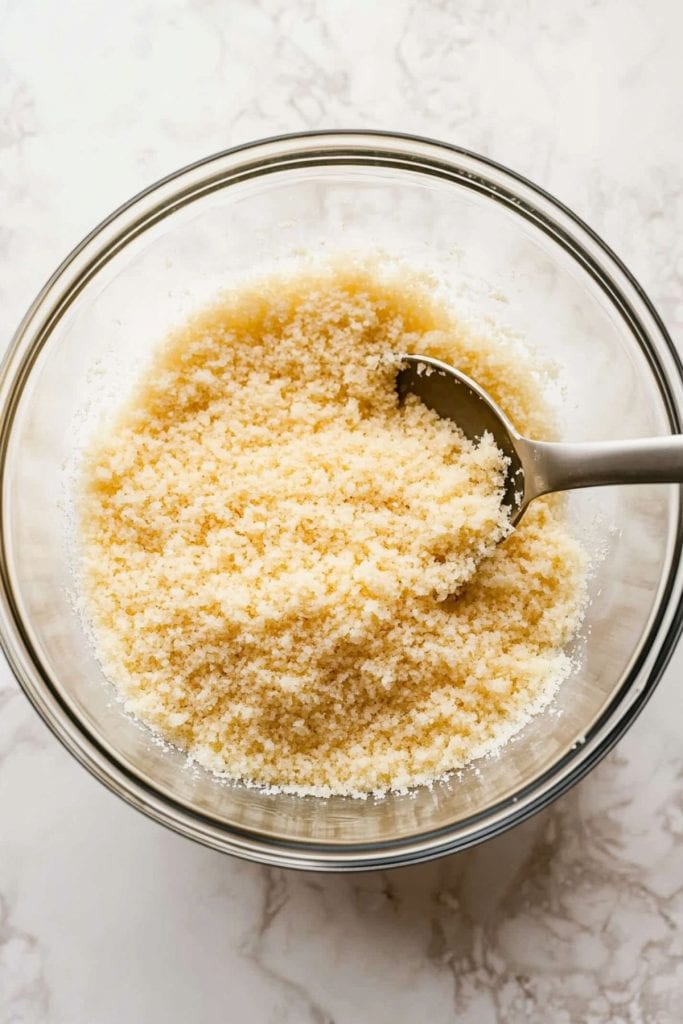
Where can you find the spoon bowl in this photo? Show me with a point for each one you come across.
(455, 396)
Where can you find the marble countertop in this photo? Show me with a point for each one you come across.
(577, 916)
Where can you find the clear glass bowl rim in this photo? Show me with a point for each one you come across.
(358, 147)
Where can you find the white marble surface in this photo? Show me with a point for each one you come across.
(578, 915)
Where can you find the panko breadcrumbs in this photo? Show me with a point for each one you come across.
(300, 582)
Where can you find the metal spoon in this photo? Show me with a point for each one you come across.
(537, 467)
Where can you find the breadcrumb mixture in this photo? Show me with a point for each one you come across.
(300, 582)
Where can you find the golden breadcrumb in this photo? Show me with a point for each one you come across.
(300, 582)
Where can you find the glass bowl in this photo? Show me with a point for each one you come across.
(510, 254)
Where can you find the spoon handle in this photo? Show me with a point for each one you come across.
(561, 467)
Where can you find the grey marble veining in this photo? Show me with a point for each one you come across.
(576, 916)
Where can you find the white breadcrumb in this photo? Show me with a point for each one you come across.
(299, 581)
